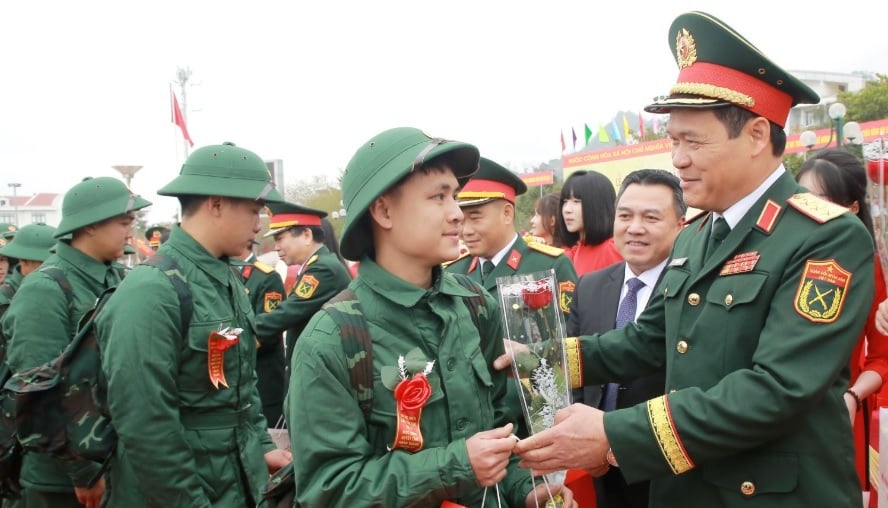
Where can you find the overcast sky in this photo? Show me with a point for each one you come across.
(85, 84)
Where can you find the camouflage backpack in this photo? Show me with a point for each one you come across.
(357, 344)
(10, 449)
(61, 407)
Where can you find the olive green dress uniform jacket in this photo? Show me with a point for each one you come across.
(756, 342)
(266, 290)
(340, 459)
(39, 325)
(322, 277)
(182, 442)
(523, 258)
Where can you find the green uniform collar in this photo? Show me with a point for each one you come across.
(92, 267)
(182, 242)
(402, 292)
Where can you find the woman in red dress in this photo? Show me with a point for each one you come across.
(588, 202)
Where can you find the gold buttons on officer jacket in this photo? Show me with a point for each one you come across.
(682, 347)
(747, 488)
(729, 300)
(694, 298)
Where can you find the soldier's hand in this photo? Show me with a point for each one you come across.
(489, 453)
(276, 459)
(91, 496)
(576, 441)
(505, 360)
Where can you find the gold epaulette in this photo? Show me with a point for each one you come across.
(311, 260)
(460, 258)
(264, 268)
(816, 208)
(546, 249)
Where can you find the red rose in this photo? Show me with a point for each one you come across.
(537, 298)
(413, 393)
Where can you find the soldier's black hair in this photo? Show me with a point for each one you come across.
(843, 178)
(735, 117)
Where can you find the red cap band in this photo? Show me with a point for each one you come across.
(284, 220)
(478, 188)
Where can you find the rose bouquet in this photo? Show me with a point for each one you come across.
(534, 324)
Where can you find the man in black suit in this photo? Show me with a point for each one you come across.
(650, 213)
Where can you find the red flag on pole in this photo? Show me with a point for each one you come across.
(179, 120)
(563, 146)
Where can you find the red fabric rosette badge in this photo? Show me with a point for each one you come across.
(218, 342)
(411, 395)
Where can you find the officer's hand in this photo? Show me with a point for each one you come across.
(277, 459)
(882, 317)
(505, 360)
(540, 495)
(91, 496)
(576, 441)
(489, 453)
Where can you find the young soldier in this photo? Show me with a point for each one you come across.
(755, 318)
(266, 290)
(299, 240)
(30, 247)
(452, 440)
(98, 213)
(184, 400)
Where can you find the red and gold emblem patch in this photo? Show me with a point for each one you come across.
(565, 295)
(822, 291)
(272, 300)
(307, 286)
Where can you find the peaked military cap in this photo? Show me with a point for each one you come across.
(491, 182)
(224, 170)
(383, 161)
(32, 243)
(287, 215)
(156, 235)
(719, 67)
(94, 200)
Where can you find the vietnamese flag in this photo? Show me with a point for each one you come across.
(178, 119)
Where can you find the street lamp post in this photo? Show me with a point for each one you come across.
(15, 205)
(128, 172)
(850, 130)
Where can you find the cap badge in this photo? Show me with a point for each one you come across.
(685, 48)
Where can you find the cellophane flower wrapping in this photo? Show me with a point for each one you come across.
(534, 323)
(875, 154)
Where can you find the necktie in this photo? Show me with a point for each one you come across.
(720, 230)
(486, 269)
(625, 314)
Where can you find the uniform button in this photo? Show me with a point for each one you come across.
(693, 298)
(451, 364)
(729, 300)
(747, 488)
(461, 424)
(681, 347)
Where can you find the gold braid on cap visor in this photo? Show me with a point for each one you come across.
(718, 92)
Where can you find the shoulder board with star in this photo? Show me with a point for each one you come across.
(546, 249)
(264, 268)
(460, 258)
(816, 208)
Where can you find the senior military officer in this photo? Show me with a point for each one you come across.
(299, 240)
(184, 401)
(758, 311)
(495, 249)
(266, 290)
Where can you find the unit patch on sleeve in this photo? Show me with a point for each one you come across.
(272, 300)
(565, 295)
(822, 291)
(307, 286)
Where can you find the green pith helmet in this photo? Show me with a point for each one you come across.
(94, 200)
(382, 162)
(224, 170)
(32, 243)
(128, 249)
(7, 231)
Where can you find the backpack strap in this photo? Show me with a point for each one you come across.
(173, 271)
(58, 275)
(346, 311)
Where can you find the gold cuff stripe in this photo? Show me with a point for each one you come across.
(719, 92)
(574, 361)
(667, 437)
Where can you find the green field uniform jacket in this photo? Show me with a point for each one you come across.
(182, 442)
(266, 290)
(322, 277)
(39, 324)
(756, 343)
(341, 460)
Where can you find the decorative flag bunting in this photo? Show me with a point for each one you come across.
(588, 133)
(574, 132)
(563, 146)
(615, 131)
(640, 127)
(626, 131)
(602, 134)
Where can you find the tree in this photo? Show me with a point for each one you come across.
(319, 193)
(870, 103)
